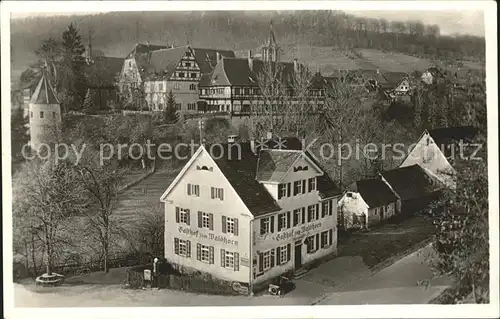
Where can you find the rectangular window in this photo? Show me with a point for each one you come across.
(312, 213)
(230, 259)
(206, 220)
(237, 91)
(178, 106)
(247, 91)
(325, 210)
(324, 239)
(205, 254)
(182, 247)
(230, 225)
(267, 225)
(177, 86)
(181, 74)
(41, 115)
(268, 259)
(296, 216)
(282, 221)
(193, 75)
(193, 190)
(182, 215)
(229, 263)
(217, 193)
(312, 184)
(256, 91)
(282, 191)
(283, 254)
(311, 244)
(53, 114)
(297, 187)
(160, 86)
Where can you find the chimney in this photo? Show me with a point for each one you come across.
(295, 66)
(250, 60)
(218, 57)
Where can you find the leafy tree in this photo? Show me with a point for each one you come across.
(170, 115)
(72, 85)
(462, 240)
(19, 134)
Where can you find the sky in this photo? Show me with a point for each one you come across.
(450, 22)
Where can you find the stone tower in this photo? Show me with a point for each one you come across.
(44, 114)
(270, 50)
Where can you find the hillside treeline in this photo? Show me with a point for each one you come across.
(115, 33)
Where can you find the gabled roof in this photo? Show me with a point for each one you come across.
(273, 165)
(102, 71)
(411, 182)
(141, 48)
(162, 63)
(394, 78)
(237, 72)
(240, 172)
(374, 192)
(207, 58)
(44, 93)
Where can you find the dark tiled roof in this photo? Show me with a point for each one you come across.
(241, 169)
(394, 78)
(236, 71)
(44, 93)
(141, 48)
(374, 192)
(240, 172)
(207, 58)
(411, 182)
(162, 63)
(274, 164)
(102, 71)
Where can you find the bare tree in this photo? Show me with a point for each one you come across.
(101, 184)
(45, 195)
(340, 121)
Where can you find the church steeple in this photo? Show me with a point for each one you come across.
(270, 50)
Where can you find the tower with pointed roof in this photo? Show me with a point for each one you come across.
(270, 50)
(44, 114)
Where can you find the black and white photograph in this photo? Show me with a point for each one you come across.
(221, 156)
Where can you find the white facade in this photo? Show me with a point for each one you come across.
(238, 245)
(430, 157)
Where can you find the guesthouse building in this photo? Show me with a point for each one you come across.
(247, 214)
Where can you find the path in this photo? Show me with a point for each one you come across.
(344, 280)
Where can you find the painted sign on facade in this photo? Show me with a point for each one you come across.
(209, 236)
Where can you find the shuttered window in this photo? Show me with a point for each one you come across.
(182, 215)
(312, 184)
(217, 193)
(296, 217)
(205, 220)
(283, 254)
(193, 190)
(325, 208)
(230, 260)
(325, 242)
(205, 253)
(230, 225)
(182, 247)
(267, 225)
(282, 191)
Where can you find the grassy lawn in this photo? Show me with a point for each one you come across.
(389, 240)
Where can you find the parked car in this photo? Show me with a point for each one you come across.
(282, 286)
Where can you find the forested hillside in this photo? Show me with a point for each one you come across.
(115, 33)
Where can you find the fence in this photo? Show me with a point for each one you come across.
(192, 282)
